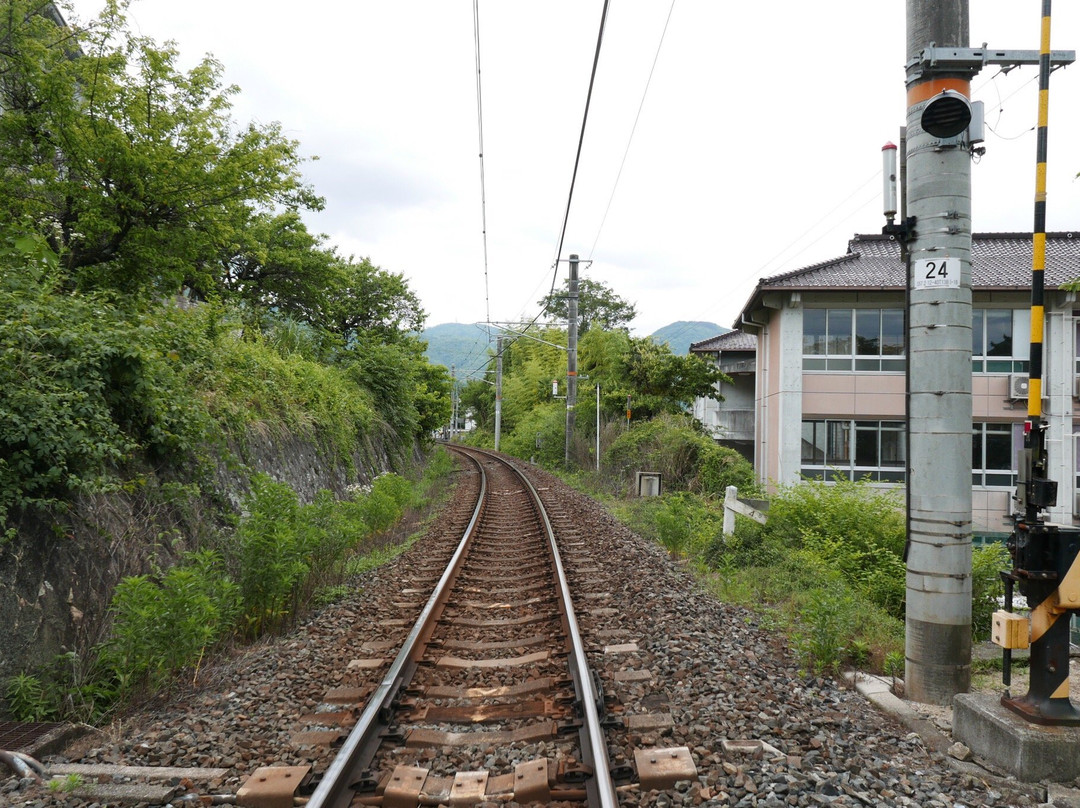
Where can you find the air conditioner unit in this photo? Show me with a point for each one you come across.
(1076, 503)
(1076, 387)
(1018, 386)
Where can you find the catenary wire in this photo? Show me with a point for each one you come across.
(581, 141)
(480, 131)
(633, 129)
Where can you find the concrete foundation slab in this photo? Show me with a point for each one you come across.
(1027, 751)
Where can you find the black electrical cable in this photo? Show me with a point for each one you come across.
(581, 141)
(480, 130)
(633, 128)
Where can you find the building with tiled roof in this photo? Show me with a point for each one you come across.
(831, 365)
(731, 421)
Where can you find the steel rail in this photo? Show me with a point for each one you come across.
(334, 789)
(600, 787)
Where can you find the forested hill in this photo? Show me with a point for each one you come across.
(680, 335)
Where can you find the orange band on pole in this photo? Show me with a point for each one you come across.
(928, 89)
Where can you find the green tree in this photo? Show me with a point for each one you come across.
(282, 268)
(655, 379)
(597, 305)
(132, 168)
(663, 382)
(412, 395)
(478, 399)
(368, 301)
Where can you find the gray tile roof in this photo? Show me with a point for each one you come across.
(998, 261)
(731, 341)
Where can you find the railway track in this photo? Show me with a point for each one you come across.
(494, 662)
(701, 706)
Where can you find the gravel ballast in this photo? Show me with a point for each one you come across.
(678, 667)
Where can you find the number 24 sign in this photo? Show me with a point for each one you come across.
(936, 273)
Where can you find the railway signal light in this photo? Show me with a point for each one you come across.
(946, 115)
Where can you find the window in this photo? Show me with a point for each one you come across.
(994, 449)
(854, 449)
(853, 339)
(1000, 340)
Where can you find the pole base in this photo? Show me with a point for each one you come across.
(1047, 712)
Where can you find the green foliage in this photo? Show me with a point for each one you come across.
(67, 784)
(250, 385)
(87, 385)
(414, 397)
(539, 434)
(685, 524)
(329, 595)
(987, 564)
(675, 446)
(826, 624)
(162, 626)
(387, 500)
(285, 551)
(132, 168)
(894, 665)
(719, 467)
(598, 305)
(27, 699)
(270, 554)
(851, 527)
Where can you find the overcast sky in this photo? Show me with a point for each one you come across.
(757, 151)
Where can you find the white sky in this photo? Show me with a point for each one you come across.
(758, 149)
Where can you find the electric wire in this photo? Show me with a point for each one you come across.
(742, 283)
(633, 128)
(480, 131)
(581, 141)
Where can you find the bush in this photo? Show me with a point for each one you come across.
(685, 524)
(826, 625)
(987, 564)
(388, 499)
(270, 558)
(540, 435)
(161, 627)
(720, 467)
(87, 385)
(850, 527)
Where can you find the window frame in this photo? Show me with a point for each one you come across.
(841, 440)
(834, 344)
(996, 476)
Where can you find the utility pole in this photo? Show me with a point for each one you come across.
(453, 401)
(498, 389)
(943, 126)
(938, 620)
(571, 354)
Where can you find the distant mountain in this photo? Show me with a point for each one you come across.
(465, 345)
(461, 345)
(679, 335)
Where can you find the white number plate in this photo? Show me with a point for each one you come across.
(936, 273)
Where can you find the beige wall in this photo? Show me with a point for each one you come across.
(781, 405)
(880, 396)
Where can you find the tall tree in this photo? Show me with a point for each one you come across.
(597, 305)
(366, 300)
(132, 168)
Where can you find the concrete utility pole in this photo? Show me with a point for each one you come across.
(938, 636)
(498, 389)
(453, 401)
(571, 354)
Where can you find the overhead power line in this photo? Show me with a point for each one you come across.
(633, 128)
(480, 131)
(581, 140)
